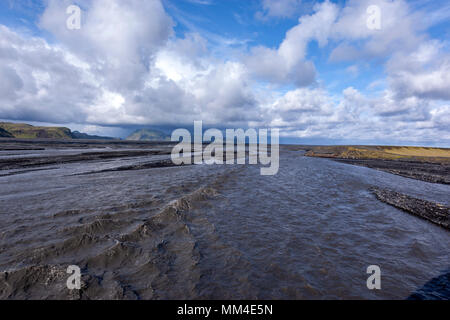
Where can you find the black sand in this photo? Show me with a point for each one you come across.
(428, 172)
(434, 212)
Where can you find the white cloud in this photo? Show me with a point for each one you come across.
(47, 86)
(287, 64)
(352, 115)
(123, 68)
(424, 72)
(11, 83)
(118, 38)
(399, 30)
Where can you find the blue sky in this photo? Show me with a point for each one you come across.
(313, 69)
(241, 21)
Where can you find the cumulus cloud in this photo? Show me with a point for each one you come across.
(11, 83)
(271, 65)
(423, 73)
(287, 64)
(44, 81)
(123, 68)
(118, 38)
(351, 115)
(120, 68)
(399, 30)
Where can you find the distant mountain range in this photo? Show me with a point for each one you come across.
(26, 131)
(85, 136)
(148, 135)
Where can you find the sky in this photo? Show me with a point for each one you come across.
(322, 72)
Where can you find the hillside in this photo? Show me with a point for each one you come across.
(148, 135)
(421, 154)
(85, 136)
(26, 131)
(5, 134)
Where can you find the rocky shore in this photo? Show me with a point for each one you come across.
(433, 212)
(428, 172)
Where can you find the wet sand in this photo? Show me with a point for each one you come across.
(66, 152)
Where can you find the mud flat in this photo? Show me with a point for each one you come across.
(12, 144)
(30, 155)
(433, 212)
(19, 163)
(149, 165)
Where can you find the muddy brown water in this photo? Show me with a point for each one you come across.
(213, 232)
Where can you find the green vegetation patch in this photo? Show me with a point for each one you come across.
(26, 131)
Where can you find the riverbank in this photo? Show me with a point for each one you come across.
(434, 212)
(426, 164)
(424, 171)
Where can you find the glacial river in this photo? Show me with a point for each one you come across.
(213, 232)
